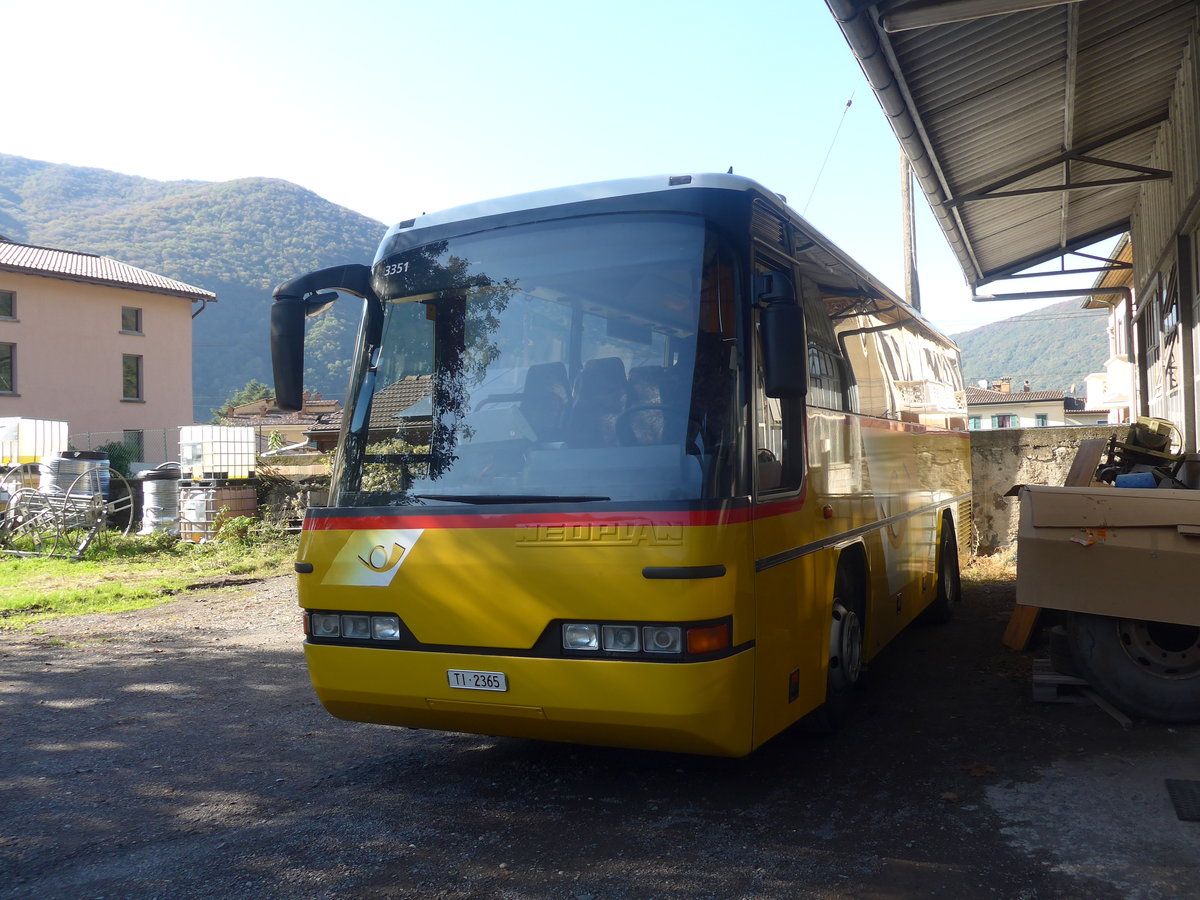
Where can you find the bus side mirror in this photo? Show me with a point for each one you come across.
(299, 298)
(315, 304)
(785, 350)
(287, 352)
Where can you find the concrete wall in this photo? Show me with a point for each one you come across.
(1009, 456)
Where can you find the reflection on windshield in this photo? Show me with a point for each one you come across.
(575, 361)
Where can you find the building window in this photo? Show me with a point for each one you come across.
(974, 423)
(131, 320)
(8, 305)
(131, 377)
(1008, 421)
(8, 368)
(1042, 420)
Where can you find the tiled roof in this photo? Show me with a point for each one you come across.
(389, 403)
(31, 260)
(977, 396)
(271, 419)
(265, 407)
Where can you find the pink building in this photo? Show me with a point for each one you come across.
(104, 346)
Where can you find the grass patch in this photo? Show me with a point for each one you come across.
(131, 573)
(1000, 567)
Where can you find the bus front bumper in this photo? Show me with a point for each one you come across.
(691, 707)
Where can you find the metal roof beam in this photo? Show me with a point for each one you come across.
(927, 13)
(1088, 271)
(1058, 188)
(1069, 115)
(1080, 153)
(1107, 231)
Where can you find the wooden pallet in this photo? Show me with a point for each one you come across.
(1050, 686)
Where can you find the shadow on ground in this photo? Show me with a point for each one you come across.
(184, 762)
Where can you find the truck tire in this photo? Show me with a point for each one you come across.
(1145, 669)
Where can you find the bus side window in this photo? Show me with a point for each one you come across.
(830, 378)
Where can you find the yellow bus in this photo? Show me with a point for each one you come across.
(646, 463)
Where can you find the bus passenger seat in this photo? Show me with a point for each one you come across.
(599, 400)
(544, 399)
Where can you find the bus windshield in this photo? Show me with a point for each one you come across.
(576, 360)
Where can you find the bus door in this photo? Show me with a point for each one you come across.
(790, 606)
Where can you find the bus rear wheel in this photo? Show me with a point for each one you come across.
(1146, 669)
(949, 581)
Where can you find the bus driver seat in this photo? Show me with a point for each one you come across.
(544, 400)
(599, 400)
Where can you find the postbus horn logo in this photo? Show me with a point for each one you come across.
(380, 559)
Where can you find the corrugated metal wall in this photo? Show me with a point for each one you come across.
(1165, 212)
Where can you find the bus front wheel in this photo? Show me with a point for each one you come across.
(845, 652)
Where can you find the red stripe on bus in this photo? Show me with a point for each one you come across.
(524, 520)
(521, 520)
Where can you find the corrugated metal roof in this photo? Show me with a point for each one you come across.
(994, 105)
(47, 261)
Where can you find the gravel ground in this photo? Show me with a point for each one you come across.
(179, 752)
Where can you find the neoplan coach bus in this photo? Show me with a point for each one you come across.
(647, 463)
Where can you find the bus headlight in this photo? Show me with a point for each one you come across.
(326, 625)
(621, 638)
(385, 628)
(662, 638)
(356, 627)
(661, 642)
(578, 636)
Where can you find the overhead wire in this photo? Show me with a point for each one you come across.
(828, 152)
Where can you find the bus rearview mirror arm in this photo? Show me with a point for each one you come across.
(301, 297)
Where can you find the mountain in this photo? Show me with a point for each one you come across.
(1054, 348)
(241, 238)
(236, 238)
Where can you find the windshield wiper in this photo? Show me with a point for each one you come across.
(483, 499)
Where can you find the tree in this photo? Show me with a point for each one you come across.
(254, 390)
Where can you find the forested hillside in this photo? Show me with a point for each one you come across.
(238, 239)
(241, 238)
(1054, 348)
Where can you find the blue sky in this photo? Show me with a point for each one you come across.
(396, 108)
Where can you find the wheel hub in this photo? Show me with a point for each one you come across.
(846, 643)
(1168, 651)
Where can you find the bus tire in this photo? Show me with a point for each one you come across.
(949, 582)
(1146, 669)
(846, 644)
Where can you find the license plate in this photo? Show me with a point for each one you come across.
(471, 680)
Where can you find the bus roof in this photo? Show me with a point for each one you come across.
(825, 255)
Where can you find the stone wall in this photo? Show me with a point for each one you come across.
(1008, 456)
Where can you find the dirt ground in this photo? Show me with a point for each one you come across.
(179, 752)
